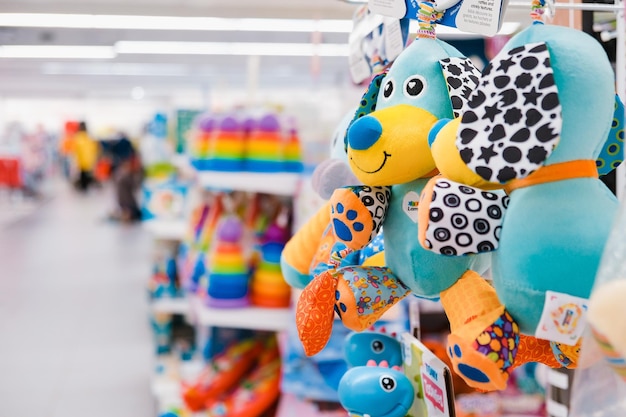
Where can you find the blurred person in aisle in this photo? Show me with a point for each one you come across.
(128, 174)
(86, 156)
(66, 150)
(34, 157)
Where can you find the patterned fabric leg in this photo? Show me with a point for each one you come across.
(484, 337)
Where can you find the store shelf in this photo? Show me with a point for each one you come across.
(166, 229)
(270, 183)
(253, 318)
(171, 306)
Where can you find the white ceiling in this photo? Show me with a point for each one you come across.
(167, 73)
(33, 77)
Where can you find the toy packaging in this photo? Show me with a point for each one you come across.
(164, 200)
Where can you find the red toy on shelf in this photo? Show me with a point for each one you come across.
(225, 370)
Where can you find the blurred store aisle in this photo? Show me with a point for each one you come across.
(74, 338)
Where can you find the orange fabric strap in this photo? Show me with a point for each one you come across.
(583, 168)
(431, 173)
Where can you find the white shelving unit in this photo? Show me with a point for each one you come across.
(171, 306)
(253, 318)
(166, 229)
(270, 183)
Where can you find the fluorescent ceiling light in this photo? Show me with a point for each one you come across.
(113, 69)
(91, 21)
(230, 48)
(57, 51)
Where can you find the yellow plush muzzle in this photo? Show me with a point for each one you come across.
(390, 146)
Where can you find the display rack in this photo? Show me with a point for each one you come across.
(171, 306)
(166, 229)
(285, 184)
(251, 318)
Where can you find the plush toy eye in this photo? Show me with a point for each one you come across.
(378, 346)
(414, 86)
(387, 383)
(388, 90)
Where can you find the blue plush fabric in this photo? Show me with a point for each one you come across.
(424, 272)
(553, 234)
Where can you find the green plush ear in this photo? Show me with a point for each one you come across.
(612, 154)
(368, 103)
(513, 120)
(462, 78)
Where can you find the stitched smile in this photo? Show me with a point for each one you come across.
(385, 154)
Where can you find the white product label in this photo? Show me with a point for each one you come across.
(391, 8)
(409, 205)
(563, 318)
(359, 68)
(480, 16)
(394, 44)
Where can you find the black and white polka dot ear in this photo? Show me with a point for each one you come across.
(462, 79)
(512, 122)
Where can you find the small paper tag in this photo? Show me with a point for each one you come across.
(563, 318)
(430, 376)
(359, 67)
(409, 205)
(480, 16)
(394, 41)
(391, 8)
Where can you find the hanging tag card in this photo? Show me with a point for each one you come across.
(431, 378)
(391, 8)
(375, 42)
(483, 17)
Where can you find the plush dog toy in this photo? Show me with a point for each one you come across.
(388, 150)
(535, 126)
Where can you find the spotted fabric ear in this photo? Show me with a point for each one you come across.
(462, 79)
(367, 104)
(513, 120)
(612, 154)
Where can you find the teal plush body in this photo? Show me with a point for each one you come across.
(535, 126)
(388, 151)
(553, 234)
(427, 274)
(410, 166)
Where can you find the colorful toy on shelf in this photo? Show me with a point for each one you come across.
(226, 147)
(389, 152)
(162, 331)
(256, 393)
(222, 374)
(201, 146)
(376, 391)
(164, 280)
(203, 231)
(164, 200)
(360, 348)
(268, 287)
(529, 128)
(293, 152)
(227, 270)
(265, 146)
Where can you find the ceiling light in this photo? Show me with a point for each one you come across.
(91, 21)
(230, 48)
(57, 51)
(117, 68)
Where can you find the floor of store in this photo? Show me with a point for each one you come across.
(75, 339)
